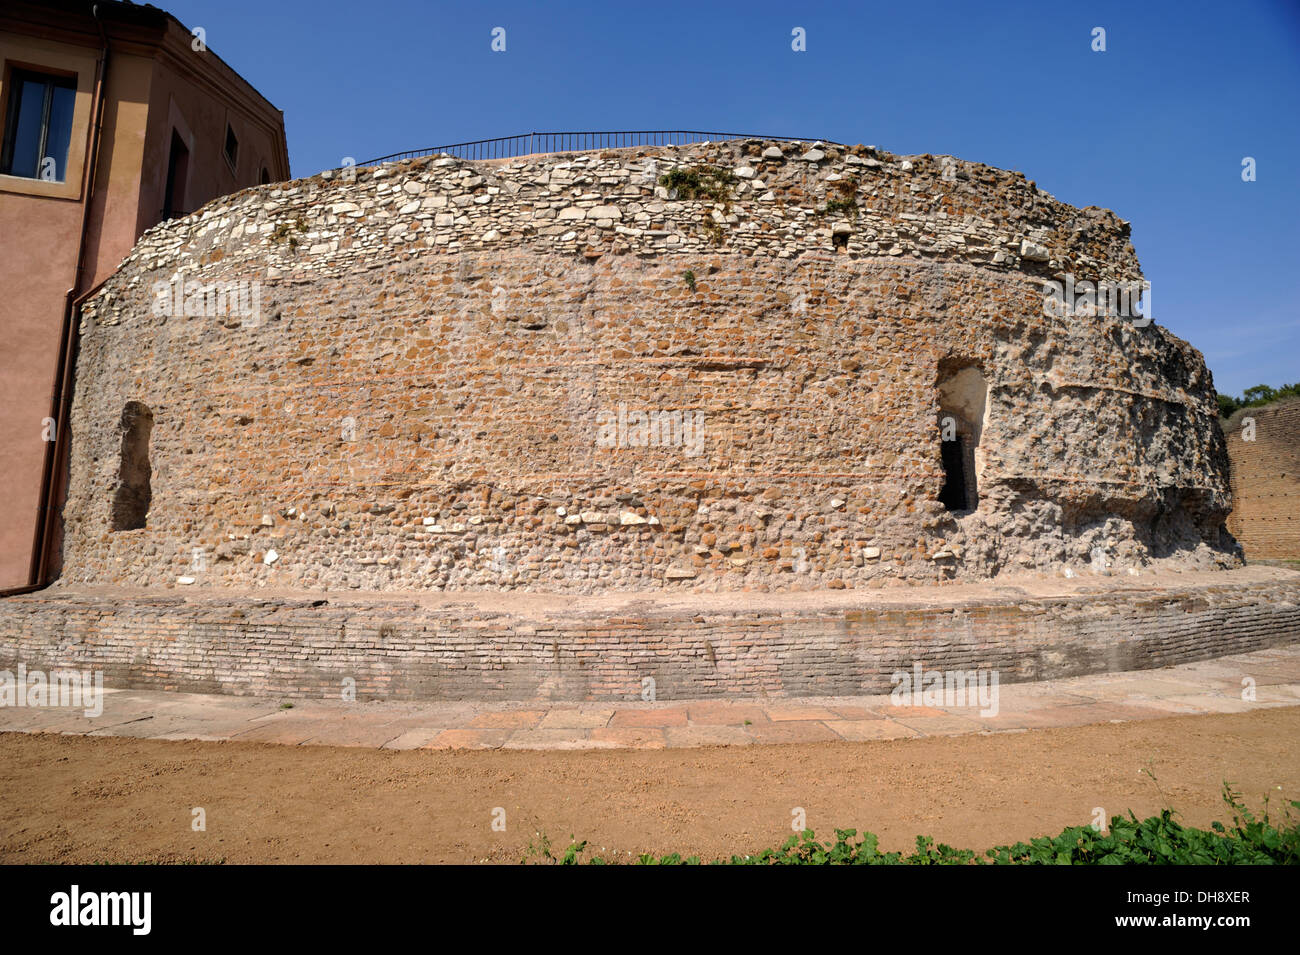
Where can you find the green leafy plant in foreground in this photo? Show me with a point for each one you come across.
(540, 852)
(1157, 840)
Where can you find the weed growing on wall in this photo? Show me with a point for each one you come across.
(699, 182)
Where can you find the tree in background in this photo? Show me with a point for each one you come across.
(1255, 396)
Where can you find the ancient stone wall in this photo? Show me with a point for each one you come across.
(567, 373)
(598, 648)
(1264, 449)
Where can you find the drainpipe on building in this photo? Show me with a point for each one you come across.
(56, 450)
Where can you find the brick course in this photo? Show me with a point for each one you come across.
(399, 648)
(1265, 516)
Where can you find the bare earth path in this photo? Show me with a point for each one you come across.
(66, 798)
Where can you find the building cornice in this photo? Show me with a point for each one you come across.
(146, 31)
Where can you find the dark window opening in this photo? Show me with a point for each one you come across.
(38, 126)
(954, 495)
(232, 148)
(133, 495)
(178, 167)
(265, 177)
(963, 407)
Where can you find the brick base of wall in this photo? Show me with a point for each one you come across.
(476, 647)
(1265, 516)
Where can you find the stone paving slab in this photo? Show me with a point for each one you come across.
(414, 739)
(1210, 686)
(941, 725)
(858, 730)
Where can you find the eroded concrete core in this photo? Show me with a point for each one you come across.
(569, 374)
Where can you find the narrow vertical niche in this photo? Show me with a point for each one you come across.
(963, 407)
(178, 166)
(956, 494)
(133, 495)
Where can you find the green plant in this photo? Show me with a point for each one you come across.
(844, 207)
(539, 852)
(845, 202)
(700, 182)
(1162, 840)
(282, 231)
(712, 229)
(1157, 840)
(689, 276)
(1256, 397)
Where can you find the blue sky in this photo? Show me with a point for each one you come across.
(1155, 127)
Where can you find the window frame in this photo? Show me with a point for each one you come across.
(231, 162)
(52, 81)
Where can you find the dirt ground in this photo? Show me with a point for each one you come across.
(100, 799)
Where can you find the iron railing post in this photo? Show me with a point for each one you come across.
(510, 147)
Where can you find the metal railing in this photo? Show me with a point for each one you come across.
(527, 144)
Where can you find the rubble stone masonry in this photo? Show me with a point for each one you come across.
(563, 373)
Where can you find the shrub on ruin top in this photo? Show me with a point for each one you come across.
(699, 182)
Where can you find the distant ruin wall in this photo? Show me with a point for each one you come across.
(1264, 449)
(554, 373)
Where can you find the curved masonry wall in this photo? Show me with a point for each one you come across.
(603, 648)
(435, 380)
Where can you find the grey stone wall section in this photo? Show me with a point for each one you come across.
(400, 650)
